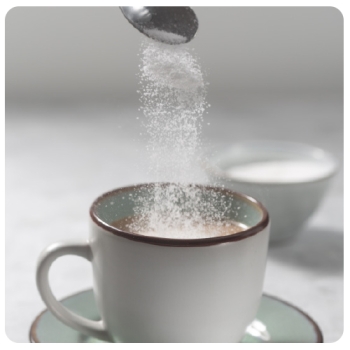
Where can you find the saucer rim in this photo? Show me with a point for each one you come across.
(33, 338)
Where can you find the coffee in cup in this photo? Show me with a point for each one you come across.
(204, 230)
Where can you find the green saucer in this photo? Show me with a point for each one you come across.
(284, 323)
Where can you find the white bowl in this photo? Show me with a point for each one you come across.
(291, 193)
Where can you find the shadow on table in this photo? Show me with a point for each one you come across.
(317, 249)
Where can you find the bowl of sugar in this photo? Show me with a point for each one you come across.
(289, 178)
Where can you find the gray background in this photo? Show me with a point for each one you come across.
(72, 133)
(64, 55)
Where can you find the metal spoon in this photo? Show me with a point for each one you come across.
(169, 25)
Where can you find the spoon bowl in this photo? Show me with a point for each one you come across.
(169, 25)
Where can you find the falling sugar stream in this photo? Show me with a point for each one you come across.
(173, 101)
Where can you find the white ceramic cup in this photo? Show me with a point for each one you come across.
(151, 289)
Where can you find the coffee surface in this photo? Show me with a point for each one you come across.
(202, 230)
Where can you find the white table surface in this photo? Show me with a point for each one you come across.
(59, 160)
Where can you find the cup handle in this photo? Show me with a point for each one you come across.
(48, 256)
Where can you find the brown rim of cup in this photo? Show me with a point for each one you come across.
(174, 242)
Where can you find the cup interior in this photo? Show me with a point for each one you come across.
(120, 204)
